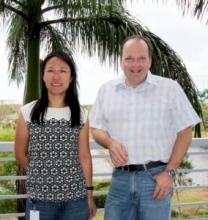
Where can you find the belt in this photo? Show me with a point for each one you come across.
(142, 167)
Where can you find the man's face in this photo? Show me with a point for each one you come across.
(135, 61)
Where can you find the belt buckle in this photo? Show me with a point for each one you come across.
(127, 168)
(123, 168)
(144, 166)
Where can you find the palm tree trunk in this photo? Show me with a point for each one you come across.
(32, 88)
(21, 189)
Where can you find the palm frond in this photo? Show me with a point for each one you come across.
(52, 39)
(198, 8)
(8, 7)
(102, 32)
(16, 42)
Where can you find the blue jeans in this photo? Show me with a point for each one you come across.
(69, 210)
(131, 197)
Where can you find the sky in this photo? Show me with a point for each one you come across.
(185, 34)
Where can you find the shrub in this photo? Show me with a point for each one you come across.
(100, 201)
(8, 206)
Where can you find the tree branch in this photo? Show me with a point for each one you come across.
(16, 11)
(63, 20)
(51, 8)
(18, 3)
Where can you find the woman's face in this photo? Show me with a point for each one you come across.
(57, 76)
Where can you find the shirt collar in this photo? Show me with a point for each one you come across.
(150, 80)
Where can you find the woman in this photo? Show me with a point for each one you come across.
(52, 143)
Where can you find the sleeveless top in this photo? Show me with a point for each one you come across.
(54, 170)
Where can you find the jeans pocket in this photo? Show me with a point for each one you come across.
(151, 175)
(154, 171)
(117, 173)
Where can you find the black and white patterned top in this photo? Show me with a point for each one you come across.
(54, 170)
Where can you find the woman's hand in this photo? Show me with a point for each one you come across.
(91, 205)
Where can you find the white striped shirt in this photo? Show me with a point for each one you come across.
(146, 119)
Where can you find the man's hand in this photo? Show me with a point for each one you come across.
(164, 185)
(118, 153)
(117, 150)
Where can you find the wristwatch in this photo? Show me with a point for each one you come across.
(89, 187)
(171, 172)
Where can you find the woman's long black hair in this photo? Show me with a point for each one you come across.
(71, 97)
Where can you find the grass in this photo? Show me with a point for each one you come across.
(6, 134)
(99, 216)
(190, 196)
(102, 184)
(204, 134)
(8, 218)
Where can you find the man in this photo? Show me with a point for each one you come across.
(146, 123)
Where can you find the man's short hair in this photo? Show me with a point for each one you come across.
(139, 37)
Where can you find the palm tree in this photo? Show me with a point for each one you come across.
(93, 25)
(199, 8)
(203, 95)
